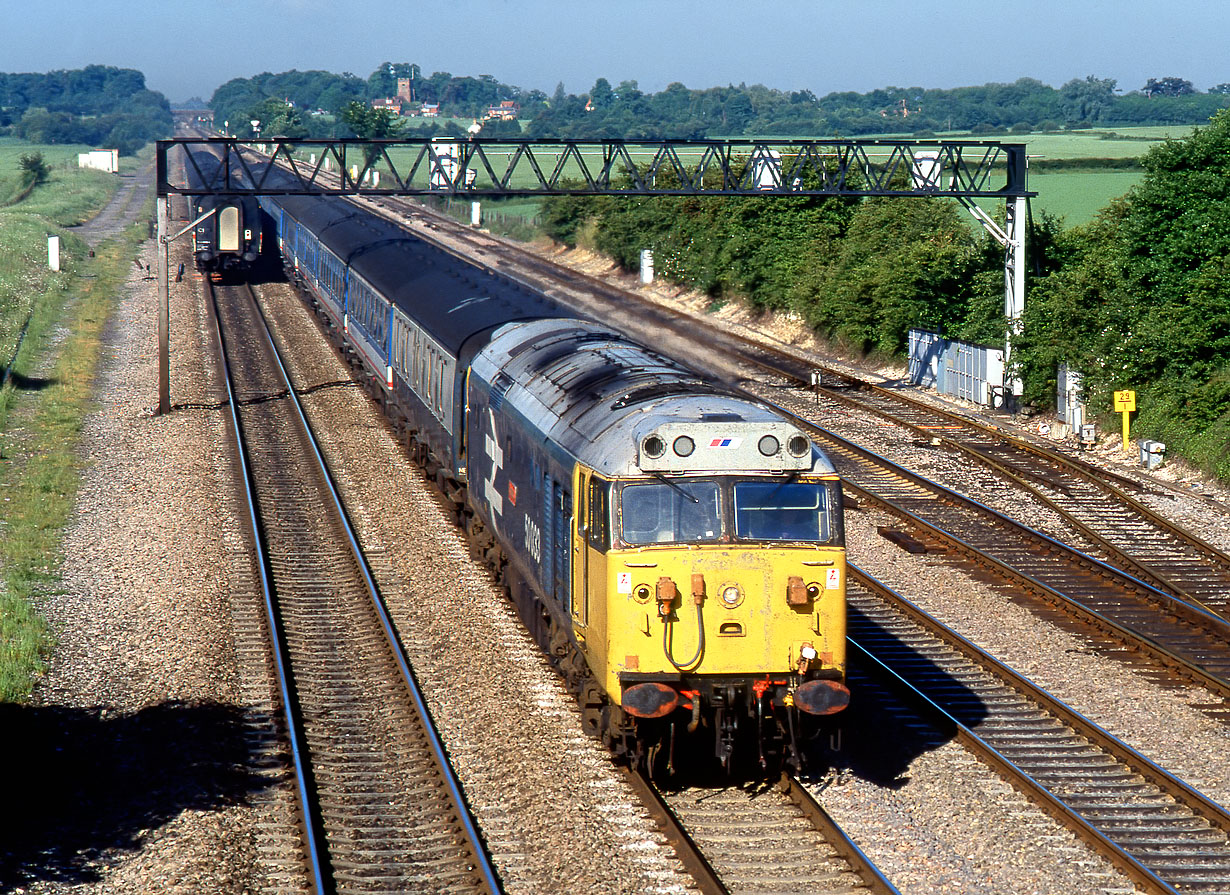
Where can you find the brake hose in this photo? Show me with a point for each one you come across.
(668, 639)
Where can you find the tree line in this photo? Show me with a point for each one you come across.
(1025, 105)
(1137, 299)
(98, 105)
(312, 103)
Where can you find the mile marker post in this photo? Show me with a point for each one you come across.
(1125, 403)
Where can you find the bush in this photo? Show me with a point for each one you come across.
(33, 169)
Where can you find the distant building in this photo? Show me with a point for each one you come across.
(405, 90)
(393, 104)
(430, 110)
(100, 160)
(507, 110)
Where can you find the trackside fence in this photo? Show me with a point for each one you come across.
(961, 369)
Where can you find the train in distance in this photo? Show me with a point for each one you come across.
(228, 237)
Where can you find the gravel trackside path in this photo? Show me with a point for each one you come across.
(137, 756)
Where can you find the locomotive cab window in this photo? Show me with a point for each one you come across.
(599, 514)
(783, 511)
(671, 512)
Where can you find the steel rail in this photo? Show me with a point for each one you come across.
(312, 827)
(1194, 613)
(1215, 625)
(684, 846)
(709, 878)
(1137, 872)
(1100, 479)
(1140, 764)
(478, 859)
(837, 837)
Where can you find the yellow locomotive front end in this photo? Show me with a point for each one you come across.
(711, 585)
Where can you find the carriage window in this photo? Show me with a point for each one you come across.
(657, 513)
(782, 511)
(228, 229)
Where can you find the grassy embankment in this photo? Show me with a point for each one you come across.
(43, 407)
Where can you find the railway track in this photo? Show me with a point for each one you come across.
(1165, 835)
(773, 840)
(760, 840)
(381, 808)
(1184, 639)
(1093, 501)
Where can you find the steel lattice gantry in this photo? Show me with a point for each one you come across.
(966, 170)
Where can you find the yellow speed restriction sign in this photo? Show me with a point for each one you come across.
(1125, 402)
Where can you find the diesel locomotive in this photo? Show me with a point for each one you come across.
(676, 546)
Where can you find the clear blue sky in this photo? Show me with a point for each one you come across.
(190, 48)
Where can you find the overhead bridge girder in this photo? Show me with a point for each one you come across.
(478, 168)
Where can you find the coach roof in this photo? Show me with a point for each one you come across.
(450, 299)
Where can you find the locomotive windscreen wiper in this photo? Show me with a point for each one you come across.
(665, 481)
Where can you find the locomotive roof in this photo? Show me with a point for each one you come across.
(598, 396)
(450, 299)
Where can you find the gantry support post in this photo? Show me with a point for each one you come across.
(1014, 296)
(164, 308)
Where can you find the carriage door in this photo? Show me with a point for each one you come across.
(228, 229)
(561, 544)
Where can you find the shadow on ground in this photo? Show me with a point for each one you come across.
(82, 786)
(30, 383)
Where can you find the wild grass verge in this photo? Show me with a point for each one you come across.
(41, 415)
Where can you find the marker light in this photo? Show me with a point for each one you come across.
(684, 446)
(769, 445)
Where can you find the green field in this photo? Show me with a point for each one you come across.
(83, 191)
(40, 426)
(1126, 142)
(70, 197)
(1077, 196)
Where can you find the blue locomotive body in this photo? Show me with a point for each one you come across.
(614, 491)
